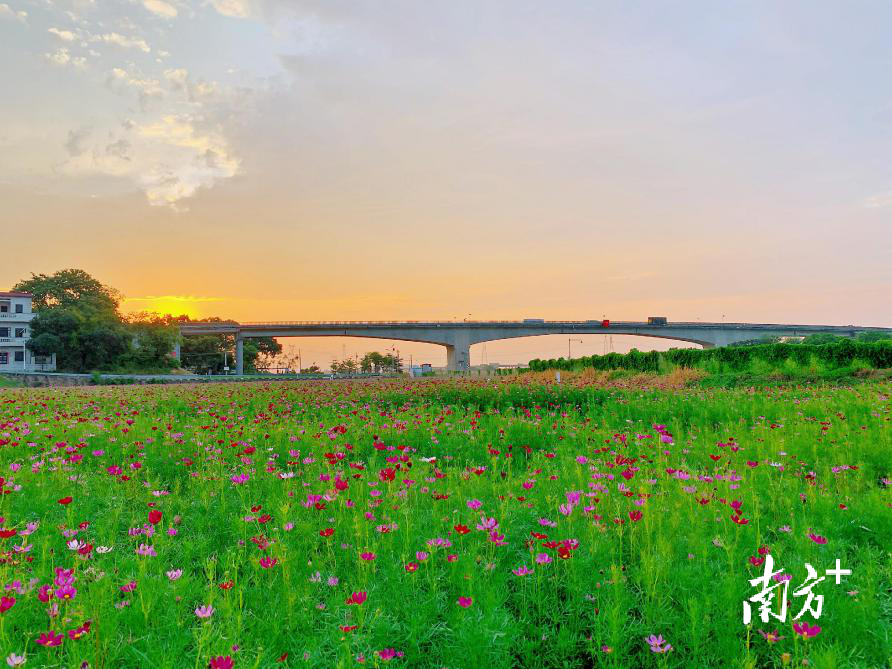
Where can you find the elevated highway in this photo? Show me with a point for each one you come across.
(459, 336)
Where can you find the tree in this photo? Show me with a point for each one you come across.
(70, 288)
(154, 339)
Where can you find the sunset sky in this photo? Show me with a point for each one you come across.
(292, 160)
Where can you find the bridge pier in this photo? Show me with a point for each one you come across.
(458, 353)
(239, 355)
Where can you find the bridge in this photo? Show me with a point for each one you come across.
(459, 336)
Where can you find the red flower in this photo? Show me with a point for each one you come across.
(155, 517)
(462, 529)
(6, 534)
(348, 628)
(412, 566)
(327, 532)
(282, 657)
(563, 552)
(221, 662)
(64, 501)
(634, 515)
(6, 603)
(268, 562)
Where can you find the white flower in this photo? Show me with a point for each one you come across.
(104, 549)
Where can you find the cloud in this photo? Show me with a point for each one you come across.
(169, 158)
(160, 8)
(235, 8)
(75, 145)
(193, 159)
(122, 41)
(7, 12)
(196, 91)
(63, 58)
(146, 87)
(64, 35)
(879, 201)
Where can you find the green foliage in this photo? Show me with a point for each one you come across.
(792, 360)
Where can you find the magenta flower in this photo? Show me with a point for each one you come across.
(817, 538)
(66, 592)
(465, 602)
(50, 639)
(474, 504)
(6, 603)
(543, 558)
(367, 556)
(221, 662)
(522, 570)
(805, 630)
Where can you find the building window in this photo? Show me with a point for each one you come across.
(4, 332)
(4, 308)
(20, 332)
(4, 358)
(42, 359)
(19, 308)
(20, 356)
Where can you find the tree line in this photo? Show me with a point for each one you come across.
(78, 319)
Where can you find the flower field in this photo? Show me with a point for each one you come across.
(446, 523)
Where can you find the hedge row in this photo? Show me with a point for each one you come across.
(838, 354)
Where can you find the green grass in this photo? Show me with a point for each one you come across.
(410, 460)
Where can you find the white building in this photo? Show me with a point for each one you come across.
(15, 330)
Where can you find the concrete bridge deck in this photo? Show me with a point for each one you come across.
(459, 336)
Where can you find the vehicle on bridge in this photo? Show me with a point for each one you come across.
(657, 320)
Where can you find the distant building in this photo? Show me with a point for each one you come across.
(15, 331)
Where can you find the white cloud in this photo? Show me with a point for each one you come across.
(7, 12)
(160, 8)
(122, 41)
(169, 158)
(878, 201)
(63, 57)
(64, 35)
(145, 86)
(193, 159)
(196, 91)
(235, 8)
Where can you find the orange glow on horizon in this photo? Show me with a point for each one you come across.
(174, 305)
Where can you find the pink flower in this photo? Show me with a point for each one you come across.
(174, 574)
(474, 504)
(268, 562)
(129, 587)
(522, 570)
(817, 538)
(543, 558)
(465, 602)
(805, 630)
(204, 612)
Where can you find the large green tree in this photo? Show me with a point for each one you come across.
(77, 319)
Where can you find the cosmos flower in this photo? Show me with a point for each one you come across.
(204, 612)
(805, 630)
